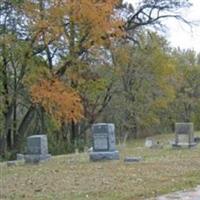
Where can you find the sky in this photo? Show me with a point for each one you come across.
(181, 35)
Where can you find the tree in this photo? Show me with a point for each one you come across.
(59, 54)
(63, 103)
(12, 74)
(68, 32)
(145, 86)
(152, 13)
(187, 87)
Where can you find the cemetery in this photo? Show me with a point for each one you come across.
(99, 100)
(137, 172)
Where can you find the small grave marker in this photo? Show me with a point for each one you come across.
(20, 156)
(133, 159)
(151, 142)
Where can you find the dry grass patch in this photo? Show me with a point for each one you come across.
(73, 177)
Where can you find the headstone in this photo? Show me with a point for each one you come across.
(152, 143)
(90, 149)
(20, 156)
(11, 163)
(37, 149)
(197, 139)
(103, 142)
(15, 162)
(184, 135)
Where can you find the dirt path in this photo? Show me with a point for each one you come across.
(193, 194)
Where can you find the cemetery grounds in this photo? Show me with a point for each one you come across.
(74, 177)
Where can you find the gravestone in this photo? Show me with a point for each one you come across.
(103, 135)
(184, 135)
(197, 139)
(11, 163)
(37, 149)
(132, 159)
(152, 143)
(20, 156)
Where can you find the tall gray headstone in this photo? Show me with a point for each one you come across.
(103, 135)
(37, 149)
(184, 135)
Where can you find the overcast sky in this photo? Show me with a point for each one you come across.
(180, 35)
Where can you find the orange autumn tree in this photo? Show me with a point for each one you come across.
(59, 100)
(90, 20)
(68, 33)
(76, 26)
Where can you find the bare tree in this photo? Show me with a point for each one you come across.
(152, 13)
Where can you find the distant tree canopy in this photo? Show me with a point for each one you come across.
(66, 64)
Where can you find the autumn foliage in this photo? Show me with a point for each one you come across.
(59, 100)
(66, 64)
(79, 24)
(95, 21)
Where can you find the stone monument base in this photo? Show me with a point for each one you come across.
(180, 144)
(36, 158)
(104, 155)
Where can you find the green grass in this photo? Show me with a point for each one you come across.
(74, 177)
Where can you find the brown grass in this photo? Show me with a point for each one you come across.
(74, 177)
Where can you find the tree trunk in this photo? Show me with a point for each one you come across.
(14, 108)
(43, 129)
(8, 109)
(24, 125)
(73, 134)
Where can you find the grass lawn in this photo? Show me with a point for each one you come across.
(74, 177)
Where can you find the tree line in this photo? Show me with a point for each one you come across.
(67, 64)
